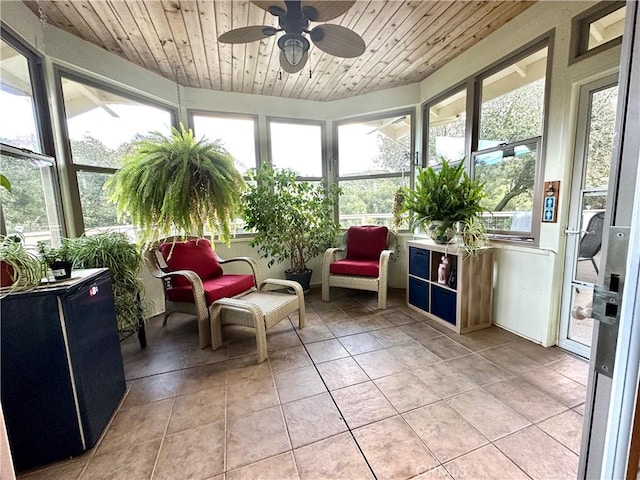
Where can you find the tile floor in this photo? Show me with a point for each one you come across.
(358, 393)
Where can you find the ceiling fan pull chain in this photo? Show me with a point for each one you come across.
(176, 69)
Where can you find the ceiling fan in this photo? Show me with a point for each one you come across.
(293, 19)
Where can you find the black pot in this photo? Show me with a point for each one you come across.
(61, 270)
(303, 278)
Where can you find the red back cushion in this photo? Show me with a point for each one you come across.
(366, 243)
(195, 255)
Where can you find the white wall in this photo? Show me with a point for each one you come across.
(528, 280)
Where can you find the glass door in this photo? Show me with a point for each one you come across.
(590, 185)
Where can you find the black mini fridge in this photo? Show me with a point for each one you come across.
(61, 367)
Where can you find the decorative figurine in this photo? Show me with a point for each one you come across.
(443, 270)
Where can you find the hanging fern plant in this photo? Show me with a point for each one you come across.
(178, 185)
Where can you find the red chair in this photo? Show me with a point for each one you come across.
(193, 279)
(361, 262)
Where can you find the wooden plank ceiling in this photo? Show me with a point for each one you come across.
(406, 41)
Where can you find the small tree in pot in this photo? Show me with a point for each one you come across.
(293, 220)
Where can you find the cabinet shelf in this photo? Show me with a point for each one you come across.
(466, 307)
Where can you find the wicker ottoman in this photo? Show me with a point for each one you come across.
(261, 310)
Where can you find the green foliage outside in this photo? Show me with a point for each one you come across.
(293, 220)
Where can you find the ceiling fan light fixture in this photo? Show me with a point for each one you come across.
(294, 47)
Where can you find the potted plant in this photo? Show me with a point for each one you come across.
(58, 259)
(113, 250)
(293, 220)
(19, 268)
(178, 185)
(441, 199)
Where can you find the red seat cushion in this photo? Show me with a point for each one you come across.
(195, 255)
(214, 288)
(356, 268)
(366, 243)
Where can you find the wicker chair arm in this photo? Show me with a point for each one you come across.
(282, 283)
(252, 263)
(331, 254)
(384, 256)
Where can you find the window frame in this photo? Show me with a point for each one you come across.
(580, 24)
(323, 144)
(191, 113)
(72, 169)
(334, 167)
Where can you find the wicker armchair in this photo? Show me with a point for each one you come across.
(360, 263)
(193, 278)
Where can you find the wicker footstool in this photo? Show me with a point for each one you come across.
(261, 310)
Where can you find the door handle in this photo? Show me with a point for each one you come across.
(572, 232)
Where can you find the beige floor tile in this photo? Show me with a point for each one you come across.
(341, 373)
(362, 404)
(166, 362)
(312, 419)
(198, 408)
(478, 369)
(255, 437)
(413, 355)
(557, 386)
(201, 356)
(438, 473)
(393, 450)
(194, 453)
(389, 337)
(405, 391)
(336, 457)
(444, 431)
(315, 333)
(445, 380)
(298, 383)
(379, 363)
(131, 463)
(280, 467)
(152, 389)
(247, 368)
(485, 463)
(574, 368)
(566, 428)
(68, 470)
(527, 400)
(250, 396)
(280, 340)
(444, 347)
(326, 351)
(288, 359)
(509, 360)
(205, 377)
(487, 414)
(419, 331)
(579, 409)
(539, 455)
(541, 354)
(397, 318)
(136, 425)
(360, 343)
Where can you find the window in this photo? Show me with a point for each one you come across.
(102, 126)
(446, 129)
(507, 157)
(297, 146)
(31, 209)
(237, 134)
(597, 29)
(374, 160)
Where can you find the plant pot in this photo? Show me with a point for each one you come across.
(439, 233)
(303, 278)
(61, 270)
(6, 274)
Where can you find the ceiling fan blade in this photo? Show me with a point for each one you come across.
(274, 7)
(287, 67)
(323, 11)
(338, 40)
(247, 34)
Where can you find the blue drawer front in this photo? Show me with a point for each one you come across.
(443, 304)
(419, 294)
(419, 262)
